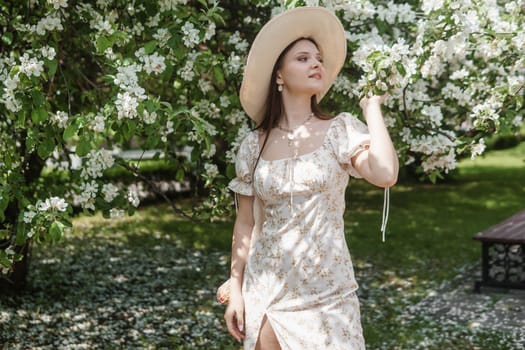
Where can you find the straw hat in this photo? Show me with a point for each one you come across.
(317, 23)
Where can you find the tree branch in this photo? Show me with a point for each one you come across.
(155, 189)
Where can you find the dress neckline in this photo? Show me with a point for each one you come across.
(325, 138)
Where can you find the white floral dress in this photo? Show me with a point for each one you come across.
(299, 272)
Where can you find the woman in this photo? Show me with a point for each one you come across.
(292, 280)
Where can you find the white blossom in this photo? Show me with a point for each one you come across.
(126, 77)
(60, 119)
(240, 44)
(167, 131)
(126, 105)
(486, 111)
(187, 73)
(477, 148)
(48, 52)
(234, 64)
(224, 101)
(52, 204)
(210, 31)
(98, 123)
(57, 4)
(97, 162)
(30, 233)
(49, 23)
(86, 196)
(154, 64)
(167, 5)
(191, 34)
(149, 118)
(210, 152)
(28, 216)
(211, 170)
(103, 26)
(434, 114)
(162, 36)
(153, 21)
(31, 66)
(431, 5)
(444, 163)
(116, 213)
(205, 86)
(133, 196)
(109, 192)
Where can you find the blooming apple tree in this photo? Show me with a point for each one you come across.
(79, 81)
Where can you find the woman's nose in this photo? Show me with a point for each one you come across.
(316, 63)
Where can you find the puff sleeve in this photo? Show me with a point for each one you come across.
(244, 163)
(349, 137)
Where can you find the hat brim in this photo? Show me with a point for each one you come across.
(316, 23)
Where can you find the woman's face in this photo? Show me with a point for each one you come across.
(302, 70)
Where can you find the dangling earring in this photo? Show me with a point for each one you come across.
(280, 87)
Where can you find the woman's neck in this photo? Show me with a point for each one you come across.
(296, 110)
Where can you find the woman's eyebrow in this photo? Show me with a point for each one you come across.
(318, 54)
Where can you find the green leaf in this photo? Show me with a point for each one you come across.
(4, 202)
(83, 146)
(52, 67)
(401, 69)
(70, 131)
(32, 138)
(5, 234)
(519, 102)
(179, 176)
(103, 43)
(46, 148)
(150, 46)
(4, 261)
(7, 38)
(175, 43)
(20, 238)
(168, 72)
(219, 75)
(39, 115)
(166, 104)
(374, 55)
(38, 98)
(56, 231)
(150, 106)
(230, 171)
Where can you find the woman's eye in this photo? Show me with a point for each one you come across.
(302, 59)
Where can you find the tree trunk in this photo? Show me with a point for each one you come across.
(15, 281)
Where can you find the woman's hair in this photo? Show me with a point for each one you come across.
(274, 101)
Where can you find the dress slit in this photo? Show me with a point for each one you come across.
(258, 332)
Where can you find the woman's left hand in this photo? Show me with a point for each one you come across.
(372, 100)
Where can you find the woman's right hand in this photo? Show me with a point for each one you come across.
(234, 316)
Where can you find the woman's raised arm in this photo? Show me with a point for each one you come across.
(379, 165)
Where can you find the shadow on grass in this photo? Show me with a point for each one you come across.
(119, 286)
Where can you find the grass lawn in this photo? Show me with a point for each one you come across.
(148, 281)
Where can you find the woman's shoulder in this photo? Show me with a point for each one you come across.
(249, 143)
(345, 116)
(249, 137)
(349, 120)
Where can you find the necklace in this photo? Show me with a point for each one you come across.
(290, 133)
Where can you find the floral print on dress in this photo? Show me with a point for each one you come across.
(299, 272)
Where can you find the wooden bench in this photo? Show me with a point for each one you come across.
(503, 254)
